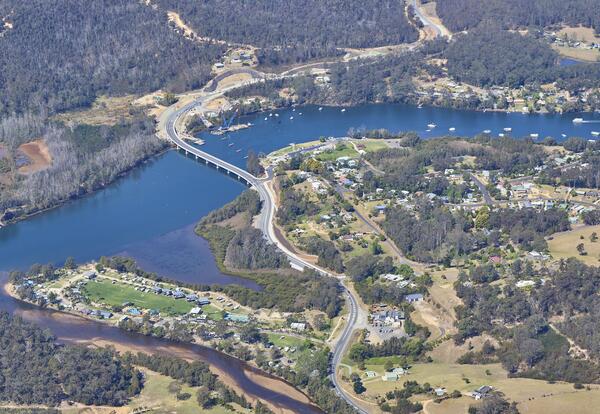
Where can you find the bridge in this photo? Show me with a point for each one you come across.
(265, 225)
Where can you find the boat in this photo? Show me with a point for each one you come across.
(431, 126)
(534, 135)
(577, 120)
(420, 107)
(270, 114)
(277, 115)
(451, 129)
(291, 117)
(500, 135)
(293, 109)
(320, 108)
(507, 129)
(343, 110)
(246, 157)
(428, 130)
(230, 144)
(487, 131)
(299, 113)
(595, 133)
(238, 150)
(266, 118)
(563, 135)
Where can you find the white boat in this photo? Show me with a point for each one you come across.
(299, 113)
(271, 114)
(420, 107)
(238, 150)
(293, 109)
(230, 145)
(291, 117)
(507, 129)
(320, 108)
(487, 131)
(534, 135)
(277, 115)
(431, 126)
(577, 120)
(595, 133)
(343, 110)
(563, 135)
(452, 129)
(500, 135)
(266, 118)
(428, 130)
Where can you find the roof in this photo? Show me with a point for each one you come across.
(413, 297)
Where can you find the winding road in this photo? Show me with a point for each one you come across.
(265, 224)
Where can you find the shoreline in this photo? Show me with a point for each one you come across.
(65, 202)
(253, 373)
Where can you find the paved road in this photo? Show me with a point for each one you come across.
(482, 188)
(266, 226)
(425, 19)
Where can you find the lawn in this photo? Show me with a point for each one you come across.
(287, 340)
(372, 145)
(564, 245)
(212, 312)
(119, 293)
(341, 150)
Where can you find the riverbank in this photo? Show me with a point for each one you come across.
(61, 203)
(189, 352)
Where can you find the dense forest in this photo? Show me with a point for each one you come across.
(62, 54)
(293, 31)
(34, 369)
(459, 15)
(488, 56)
(84, 158)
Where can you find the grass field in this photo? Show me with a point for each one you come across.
(371, 145)
(564, 245)
(342, 150)
(287, 340)
(117, 294)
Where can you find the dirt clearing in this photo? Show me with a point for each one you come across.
(39, 156)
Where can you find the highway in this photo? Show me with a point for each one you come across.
(425, 20)
(266, 226)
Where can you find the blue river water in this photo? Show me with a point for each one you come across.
(149, 214)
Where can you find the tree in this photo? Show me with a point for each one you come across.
(70, 263)
(205, 398)
(253, 164)
(581, 249)
(389, 365)
(594, 237)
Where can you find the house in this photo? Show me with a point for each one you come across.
(390, 376)
(195, 311)
(134, 312)
(371, 374)
(439, 392)
(103, 314)
(237, 318)
(399, 371)
(392, 277)
(481, 392)
(203, 301)
(191, 297)
(297, 326)
(413, 297)
(90, 274)
(178, 294)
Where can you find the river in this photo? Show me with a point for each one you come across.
(149, 214)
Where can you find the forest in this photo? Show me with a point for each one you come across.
(35, 369)
(460, 15)
(530, 344)
(84, 158)
(62, 54)
(294, 31)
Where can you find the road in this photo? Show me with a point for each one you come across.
(483, 189)
(426, 21)
(265, 224)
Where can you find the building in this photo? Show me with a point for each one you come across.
(203, 301)
(390, 376)
(195, 311)
(233, 317)
(297, 326)
(413, 297)
(90, 274)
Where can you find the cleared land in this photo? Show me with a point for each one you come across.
(107, 110)
(39, 156)
(117, 294)
(564, 245)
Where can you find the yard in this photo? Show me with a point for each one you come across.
(116, 294)
(564, 245)
(341, 150)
